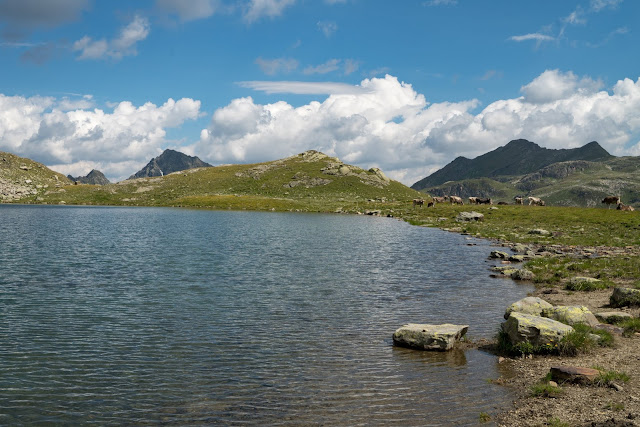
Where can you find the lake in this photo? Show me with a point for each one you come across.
(153, 315)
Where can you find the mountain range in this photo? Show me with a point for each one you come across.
(168, 162)
(571, 177)
(95, 177)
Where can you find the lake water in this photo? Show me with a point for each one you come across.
(146, 316)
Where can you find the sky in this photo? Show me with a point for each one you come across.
(406, 86)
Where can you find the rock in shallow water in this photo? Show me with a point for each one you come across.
(429, 337)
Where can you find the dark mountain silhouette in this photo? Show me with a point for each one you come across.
(167, 162)
(94, 177)
(518, 157)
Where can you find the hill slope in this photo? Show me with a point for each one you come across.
(572, 183)
(23, 178)
(168, 162)
(310, 181)
(518, 157)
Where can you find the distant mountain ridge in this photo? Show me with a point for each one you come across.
(573, 177)
(518, 157)
(95, 177)
(168, 162)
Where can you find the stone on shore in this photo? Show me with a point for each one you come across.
(498, 255)
(540, 232)
(429, 337)
(613, 316)
(469, 216)
(528, 305)
(583, 283)
(574, 374)
(522, 274)
(539, 331)
(622, 297)
(571, 314)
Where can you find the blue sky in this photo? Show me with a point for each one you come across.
(402, 85)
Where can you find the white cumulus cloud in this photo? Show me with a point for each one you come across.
(257, 9)
(42, 129)
(386, 123)
(123, 45)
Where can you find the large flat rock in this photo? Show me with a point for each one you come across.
(429, 337)
(539, 331)
(574, 374)
(528, 305)
(571, 314)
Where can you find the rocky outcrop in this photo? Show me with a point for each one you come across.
(529, 305)
(571, 315)
(429, 337)
(95, 177)
(168, 162)
(622, 297)
(538, 331)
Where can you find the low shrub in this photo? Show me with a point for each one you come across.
(631, 326)
(606, 377)
(545, 390)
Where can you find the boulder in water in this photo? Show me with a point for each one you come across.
(429, 337)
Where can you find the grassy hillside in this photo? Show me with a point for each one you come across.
(572, 183)
(310, 181)
(22, 178)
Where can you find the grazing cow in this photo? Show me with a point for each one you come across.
(440, 199)
(418, 202)
(431, 204)
(536, 201)
(472, 200)
(518, 200)
(503, 203)
(456, 200)
(483, 201)
(611, 200)
(623, 207)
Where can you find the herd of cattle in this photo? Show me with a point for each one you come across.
(535, 201)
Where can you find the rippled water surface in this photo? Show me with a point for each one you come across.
(140, 315)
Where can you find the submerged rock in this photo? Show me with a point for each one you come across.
(528, 305)
(571, 314)
(539, 331)
(429, 337)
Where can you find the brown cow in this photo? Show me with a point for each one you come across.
(440, 199)
(623, 207)
(483, 201)
(455, 200)
(518, 200)
(472, 200)
(611, 200)
(431, 204)
(418, 202)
